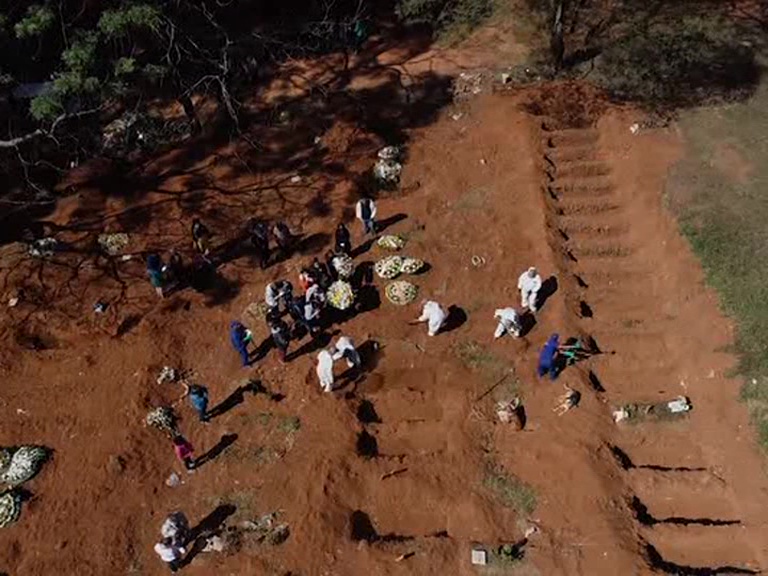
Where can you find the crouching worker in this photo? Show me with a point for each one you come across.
(345, 348)
(434, 315)
(509, 322)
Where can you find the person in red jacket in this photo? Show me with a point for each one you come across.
(184, 452)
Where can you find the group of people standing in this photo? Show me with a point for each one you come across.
(306, 309)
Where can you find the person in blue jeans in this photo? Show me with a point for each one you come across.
(240, 338)
(198, 397)
(548, 358)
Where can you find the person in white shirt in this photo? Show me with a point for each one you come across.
(325, 370)
(529, 285)
(170, 553)
(365, 210)
(509, 322)
(345, 348)
(434, 315)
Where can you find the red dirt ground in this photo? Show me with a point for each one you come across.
(547, 177)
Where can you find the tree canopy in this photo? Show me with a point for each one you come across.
(65, 59)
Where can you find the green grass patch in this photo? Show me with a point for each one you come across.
(289, 424)
(718, 192)
(510, 491)
(478, 358)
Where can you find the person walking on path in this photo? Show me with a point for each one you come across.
(198, 397)
(201, 237)
(548, 358)
(184, 452)
(345, 348)
(529, 285)
(155, 273)
(170, 553)
(281, 335)
(365, 210)
(509, 322)
(434, 315)
(325, 370)
(260, 240)
(343, 240)
(240, 338)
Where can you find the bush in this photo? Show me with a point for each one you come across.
(448, 18)
(685, 62)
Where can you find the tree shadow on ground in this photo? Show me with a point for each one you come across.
(225, 178)
(665, 54)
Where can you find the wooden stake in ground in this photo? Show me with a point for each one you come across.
(492, 388)
(393, 473)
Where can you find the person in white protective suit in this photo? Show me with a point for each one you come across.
(345, 348)
(434, 315)
(325, 370)
(509, 322)
(529, 285)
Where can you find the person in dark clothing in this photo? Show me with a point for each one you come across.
(174, 272)
(360, 33)
(287, 294)
(155, 273)
(547, 358)
(260, 240)
(320, 273)
(198, 397)
(296, 309)
(201, 237)
(240, 338)
(283, 239)
(281, 335)
(332, 272)
(343, 240)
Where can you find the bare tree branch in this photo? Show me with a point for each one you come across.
(19, 140)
